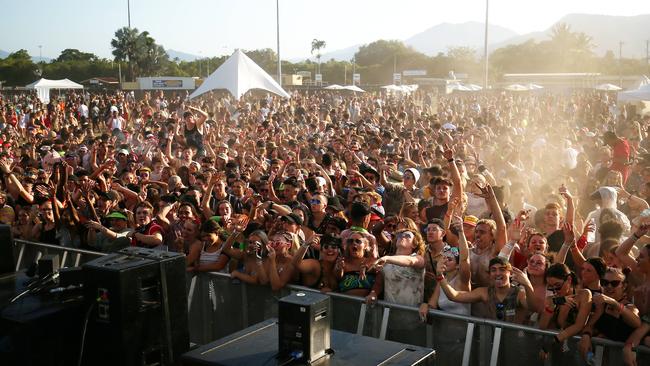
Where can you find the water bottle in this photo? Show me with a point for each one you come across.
(590, 358)
(591, 235)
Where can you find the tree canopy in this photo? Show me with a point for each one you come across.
(139, 55)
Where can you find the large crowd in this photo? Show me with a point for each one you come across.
(525, 208)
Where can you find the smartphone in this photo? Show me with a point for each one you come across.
(559, 300)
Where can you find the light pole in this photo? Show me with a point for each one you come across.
(485, 46)
(40, 53)
(128, 11)
(620, 64)
(277, 13)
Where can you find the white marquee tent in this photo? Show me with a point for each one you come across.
(641, 94)
(238, 75)
(43, 87)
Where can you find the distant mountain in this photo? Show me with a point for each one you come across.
(606, 32)
(441, 37)
(182, 56)
(35, 59)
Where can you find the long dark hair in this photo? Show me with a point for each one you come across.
(561, 271)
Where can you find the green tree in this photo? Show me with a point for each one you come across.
(18, 69)
(316, 46)
(126, 47)
(72, 54)
(140, 50)
(266, 58)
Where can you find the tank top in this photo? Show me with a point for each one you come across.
(613, 328)
(48, 236)
(504, 310)
(193, 137)
(451, 306)
(116, 124)
(209, 258)
(403, 285)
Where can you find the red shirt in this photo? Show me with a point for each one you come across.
(621, 155)
(149, 229)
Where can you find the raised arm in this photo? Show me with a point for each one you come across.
(457, 190)
(623, 251)
(502, 237)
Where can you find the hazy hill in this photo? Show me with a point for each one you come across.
(606, 32)
(441, 37)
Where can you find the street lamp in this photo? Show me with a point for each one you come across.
(277, 13)
(485, 45)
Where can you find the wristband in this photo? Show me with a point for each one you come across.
(636, 237)
(549, 310)
(450, 160)
(586, 334)
(440, 278)
(481, 168)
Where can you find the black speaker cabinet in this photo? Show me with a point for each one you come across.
(7, 251)
(139, 309)
(304, 326)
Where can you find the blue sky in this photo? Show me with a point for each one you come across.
(216, 27)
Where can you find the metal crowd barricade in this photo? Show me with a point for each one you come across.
(220, 306)
(35, 250)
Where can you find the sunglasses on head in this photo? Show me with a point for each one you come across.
(613, 283)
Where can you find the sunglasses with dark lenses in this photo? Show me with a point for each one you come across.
(405, 235)
(354, 241)
(556, 288)
(613, 283)
(501, 311)
(328, 246)
(314, 202)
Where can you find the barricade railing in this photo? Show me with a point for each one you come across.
(29, 252)
(219, 305)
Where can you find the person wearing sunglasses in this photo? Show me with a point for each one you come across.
(567, 309)
(278, 264)
(318, 273)
(400, 276)
(317, 207)
(251, 272)
(615, 316)
(351, 269)
(455, 267)
(501, 299)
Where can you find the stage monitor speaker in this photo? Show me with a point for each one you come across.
(7, 250)
(139, 314)
(304, 326)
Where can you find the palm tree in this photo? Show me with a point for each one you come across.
(126, 46)
(317, 45)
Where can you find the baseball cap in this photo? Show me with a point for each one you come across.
(117, 215)
(470, 220)
(292, 217)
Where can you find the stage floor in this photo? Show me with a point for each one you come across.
(258, 345)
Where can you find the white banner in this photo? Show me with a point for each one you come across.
(356, 79)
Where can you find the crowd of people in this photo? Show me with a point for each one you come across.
(525, 208)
